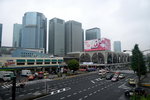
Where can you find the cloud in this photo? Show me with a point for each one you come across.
(124, 20)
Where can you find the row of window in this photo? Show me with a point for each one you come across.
(37, 63)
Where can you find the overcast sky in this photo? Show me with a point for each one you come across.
(127, 21)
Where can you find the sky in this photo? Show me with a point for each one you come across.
(127, 21)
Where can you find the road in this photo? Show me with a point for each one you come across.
(84, 87)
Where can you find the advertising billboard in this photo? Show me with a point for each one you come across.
(97, 44)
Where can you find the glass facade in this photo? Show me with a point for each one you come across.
(34, 31)
(74, 36)
(17, 35)
(117, 46)
(56, 37)
(93, 33)
(0, 35)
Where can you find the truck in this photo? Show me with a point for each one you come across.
(26, 72)
(5, 75)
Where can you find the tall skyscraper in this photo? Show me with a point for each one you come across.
(93, 33)
(56, 37)
(17, 35)
(74, 36)
(117, 46)
(34, 31)
(0, 34)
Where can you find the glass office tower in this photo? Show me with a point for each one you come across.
(74, 37)
(117, 46)
(93, 33)
(0, 34)
(17, 35)
(34, 31)
(56, 37)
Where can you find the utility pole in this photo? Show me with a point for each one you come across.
(14, 88)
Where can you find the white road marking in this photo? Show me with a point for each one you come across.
(92, 81)
(80, 99)
(74, 93)
(89, 88)
(85, 96)
(95, 92)
(90, 94)
(21, 95)
(80, 91)
(62, 98)
(68, 95)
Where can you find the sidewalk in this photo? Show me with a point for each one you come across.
(146, 80)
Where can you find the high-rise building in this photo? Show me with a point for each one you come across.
(93, 33)
(0, 35)
(56, 37)
(34, 31)
(17, 35)
(117, 46)
(74, 36)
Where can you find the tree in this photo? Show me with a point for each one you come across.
(148, 62)
(137, 62)
(73, 65)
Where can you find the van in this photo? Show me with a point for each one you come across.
(26, 73)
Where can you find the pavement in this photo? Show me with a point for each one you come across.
(146, 81)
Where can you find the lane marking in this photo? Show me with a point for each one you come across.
(62, 98)
(68, 95)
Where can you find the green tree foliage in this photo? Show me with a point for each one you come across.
(148, 62)
(137, 63)
(73, 64)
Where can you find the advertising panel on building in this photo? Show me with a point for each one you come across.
(97, 44)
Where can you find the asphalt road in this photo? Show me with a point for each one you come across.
(89, 87)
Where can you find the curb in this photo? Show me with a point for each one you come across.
(145, 84)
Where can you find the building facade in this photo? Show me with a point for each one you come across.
(117, 46)
(0, 35)
(93, 33)
(74, 36)
(56, 37)
(34, 31)
(17, 35)
(11, 51)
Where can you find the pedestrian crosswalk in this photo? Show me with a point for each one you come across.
(8, 85)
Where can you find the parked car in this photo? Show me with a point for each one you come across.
(132, 82)
(40, 75)
(136, 91)
(109, 76)
(121, 76)
(115, 78)
(31, 77)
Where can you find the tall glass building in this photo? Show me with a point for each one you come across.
(34, 31)
(93, 33)
(17, 35)
(117, 46)
(74, 37)
(0, 35)
(56, 37)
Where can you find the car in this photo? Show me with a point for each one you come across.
(109, 76)
(114, 79)
(136, 91)
(31, 77)
(121, 76)
(132, 82)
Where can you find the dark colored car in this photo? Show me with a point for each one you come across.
(137, 91)
(109, 76)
